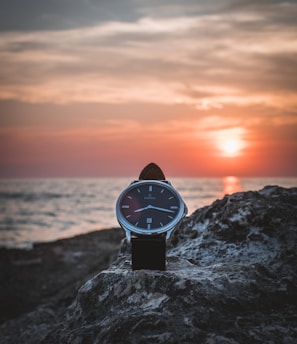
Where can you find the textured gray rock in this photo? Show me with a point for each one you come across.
(231, 278)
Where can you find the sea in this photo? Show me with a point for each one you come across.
(44, 210)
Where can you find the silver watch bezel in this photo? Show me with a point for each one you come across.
(129, 228)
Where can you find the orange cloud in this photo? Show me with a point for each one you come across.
(162, 85)
(164, 61)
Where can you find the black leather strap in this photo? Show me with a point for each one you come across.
(149, 252)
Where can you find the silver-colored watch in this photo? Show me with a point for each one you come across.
(149, 211)
(150, 207)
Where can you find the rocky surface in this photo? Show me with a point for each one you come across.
(51, 273)
(231, 278)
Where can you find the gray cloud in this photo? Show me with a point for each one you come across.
(240, 55)
(70, 14)
(62, 14)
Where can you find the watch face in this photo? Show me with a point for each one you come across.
(149, 206)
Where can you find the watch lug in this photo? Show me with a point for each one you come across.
(185, 209)
(169, 232)
(128, 235)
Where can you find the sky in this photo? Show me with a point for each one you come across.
(93, 88)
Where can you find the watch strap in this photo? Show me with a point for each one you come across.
(149, 251)
(152, 172)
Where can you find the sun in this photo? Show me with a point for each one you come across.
(230, 143)
(231, 147)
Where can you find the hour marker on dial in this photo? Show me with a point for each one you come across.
(125, 206)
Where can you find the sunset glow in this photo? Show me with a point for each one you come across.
(231, 148)
(201, 88)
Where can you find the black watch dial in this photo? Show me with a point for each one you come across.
(149, 206)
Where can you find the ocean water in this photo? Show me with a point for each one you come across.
(41, 210)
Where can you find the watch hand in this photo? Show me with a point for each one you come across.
(162, 209)
(153, 207)
(141, 209)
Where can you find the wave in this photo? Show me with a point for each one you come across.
(30, 196)
(45, 210)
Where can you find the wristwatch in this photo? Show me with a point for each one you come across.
(149, 210)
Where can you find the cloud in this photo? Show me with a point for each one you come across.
(62, 14)
(242, 56)
(71, 14)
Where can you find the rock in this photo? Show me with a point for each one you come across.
(231, 278)
(51, 273)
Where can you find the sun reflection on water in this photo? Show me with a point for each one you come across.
(231, 184)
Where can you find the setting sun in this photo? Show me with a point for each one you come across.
(231, 147)
(230, 142)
